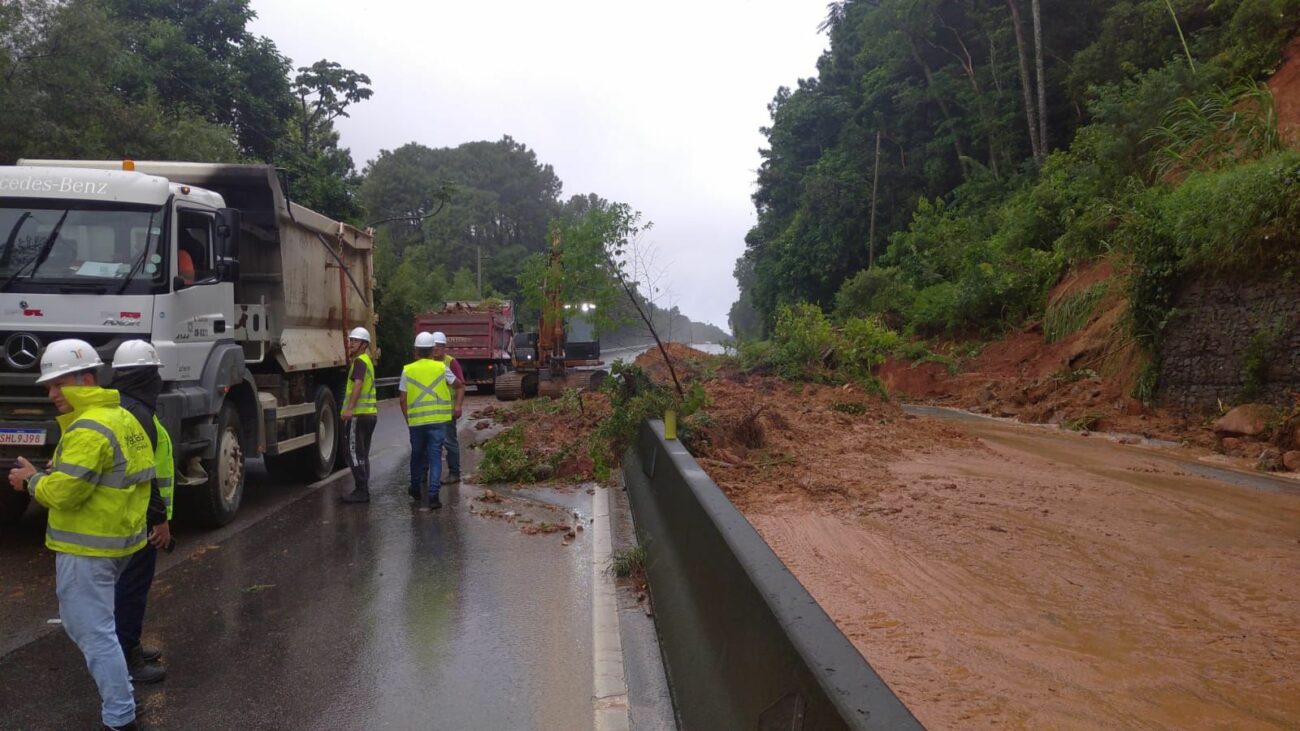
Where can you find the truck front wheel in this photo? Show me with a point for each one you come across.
(217, 500)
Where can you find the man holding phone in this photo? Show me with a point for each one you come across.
(97, 491)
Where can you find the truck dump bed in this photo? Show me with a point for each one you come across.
(304, 280)
(480, 336)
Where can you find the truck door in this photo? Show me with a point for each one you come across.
(196, 314)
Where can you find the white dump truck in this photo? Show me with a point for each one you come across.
(247, 296)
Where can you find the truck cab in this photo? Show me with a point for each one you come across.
(107, 251)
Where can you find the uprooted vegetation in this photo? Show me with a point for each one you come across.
(740, 417)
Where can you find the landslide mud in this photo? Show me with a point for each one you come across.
(1026, 579)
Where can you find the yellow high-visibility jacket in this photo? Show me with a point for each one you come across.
(366, 403)
(428, 397)
(164, 465)
(97, 489)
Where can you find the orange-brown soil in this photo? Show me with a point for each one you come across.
(1285, 85)
(1002, 575)
(1083, 381)
(999, 575)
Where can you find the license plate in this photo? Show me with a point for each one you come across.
(28, 437)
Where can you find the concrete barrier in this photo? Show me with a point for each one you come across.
(745, 645)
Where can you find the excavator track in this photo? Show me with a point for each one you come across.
(510, 386)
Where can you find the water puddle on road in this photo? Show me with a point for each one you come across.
(530, 516)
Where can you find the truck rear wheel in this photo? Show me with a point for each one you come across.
(215, 502)
(315, 461)
(319, 459)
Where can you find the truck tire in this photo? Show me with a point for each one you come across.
(319, 460)
(215, 503)
(487, 389)
(314, 461)
(12, 505)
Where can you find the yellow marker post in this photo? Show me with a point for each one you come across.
(670, 424)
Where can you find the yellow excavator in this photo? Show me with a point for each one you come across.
(551, 361)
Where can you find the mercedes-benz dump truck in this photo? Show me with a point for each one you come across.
(247, 297)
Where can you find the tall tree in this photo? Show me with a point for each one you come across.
(1026, 83)
(1042, 78)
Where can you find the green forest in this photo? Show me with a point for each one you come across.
(952, 159)
(155, 80)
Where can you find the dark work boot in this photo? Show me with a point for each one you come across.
(132, 726)
(143, 672)
(357, 496)
(452, 478)
(150, 654)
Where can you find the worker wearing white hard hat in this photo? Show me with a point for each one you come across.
(452, 442)
(360, 414)
(138, 383)
(426, 401)
(97, 491)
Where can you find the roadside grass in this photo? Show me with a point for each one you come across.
(628, 563)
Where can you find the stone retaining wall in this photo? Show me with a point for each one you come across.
(1203, 355)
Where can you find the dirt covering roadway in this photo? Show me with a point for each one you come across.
(1003, 575)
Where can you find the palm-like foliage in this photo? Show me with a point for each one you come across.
(1229, 124)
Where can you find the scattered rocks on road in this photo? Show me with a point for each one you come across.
(1270, 460)
(1291, 460)
(1249, 420)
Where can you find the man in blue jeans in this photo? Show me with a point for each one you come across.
(452, 442)
(428, 407)
(97, 490)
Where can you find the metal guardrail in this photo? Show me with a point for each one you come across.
(746, 645)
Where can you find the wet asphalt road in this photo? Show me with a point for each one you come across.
(307, 613)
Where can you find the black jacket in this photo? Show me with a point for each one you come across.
(139, 389)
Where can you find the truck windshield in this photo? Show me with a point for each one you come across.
(56, 243)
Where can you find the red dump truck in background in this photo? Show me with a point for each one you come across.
(479, 334)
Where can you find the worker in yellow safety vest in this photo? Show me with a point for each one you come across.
(97, 490)
(138, 383)
(360, 412)
(427, 405)
(453, 441)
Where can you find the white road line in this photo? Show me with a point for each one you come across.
(609, 697)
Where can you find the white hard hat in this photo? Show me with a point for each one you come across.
(439, 338)
(62, 357)
(424, 340)
(359, 333)
(134, 353)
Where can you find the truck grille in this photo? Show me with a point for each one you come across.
(11, 347)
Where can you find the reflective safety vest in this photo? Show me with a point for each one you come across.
(98, 486)
(164, 466)
(366, 403)
(428, 397)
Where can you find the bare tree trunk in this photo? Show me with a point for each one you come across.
(875, 186)
(1026, 83)
(943, 105)
(967, 63)
(1042, 78)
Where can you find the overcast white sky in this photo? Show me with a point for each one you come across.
(655, 104)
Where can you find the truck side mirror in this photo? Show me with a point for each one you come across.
(229, 221)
